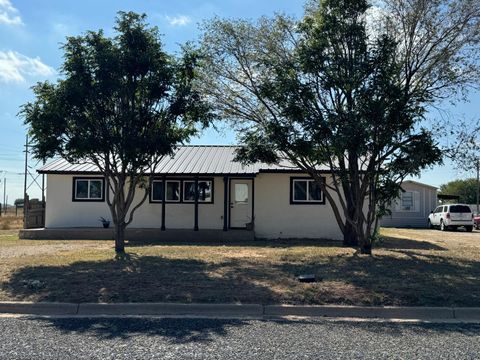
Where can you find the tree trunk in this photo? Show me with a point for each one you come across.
(350, 238)
(120, 238)
(366, 248)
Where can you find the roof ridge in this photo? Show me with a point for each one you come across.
(203, 145)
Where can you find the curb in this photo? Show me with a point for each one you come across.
(242, 311)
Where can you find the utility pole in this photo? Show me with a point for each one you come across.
(477, 165)
(25, 207)
(5, 195)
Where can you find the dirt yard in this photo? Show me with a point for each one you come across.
(409, 267)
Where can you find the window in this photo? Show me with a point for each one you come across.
(205, 191)
(305, 191)
(88, 189)
(409, 202)
(172, 191)
(157, 191)
(460, 209)
(241, 193)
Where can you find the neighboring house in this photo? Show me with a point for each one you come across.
(272, 201)
(412, 207)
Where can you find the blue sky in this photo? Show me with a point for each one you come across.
(31, 34)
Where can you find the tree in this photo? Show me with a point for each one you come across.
(465, 153)
(466, 189)
(330, 91)
(122, 104)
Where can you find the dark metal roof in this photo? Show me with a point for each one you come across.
(195, 159)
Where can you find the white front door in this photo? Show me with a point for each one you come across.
(240, 202)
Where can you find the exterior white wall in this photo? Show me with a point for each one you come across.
(61, 211)
(418, 219)
(276, 218)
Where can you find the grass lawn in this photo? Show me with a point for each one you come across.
(409, 267)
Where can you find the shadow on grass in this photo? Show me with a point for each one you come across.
(399, 243)
(399, 276)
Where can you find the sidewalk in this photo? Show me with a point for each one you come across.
(255, 311)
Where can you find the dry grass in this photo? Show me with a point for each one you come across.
(10, 221)
(411, 267)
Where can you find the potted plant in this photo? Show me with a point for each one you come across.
(105, 222)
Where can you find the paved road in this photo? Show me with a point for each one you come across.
(232, 339)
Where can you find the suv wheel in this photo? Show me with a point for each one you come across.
(443, 227)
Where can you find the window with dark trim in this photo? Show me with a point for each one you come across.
(156, 194)
(205, 191)
(181, 191)
(305, 191)
(172, 190)
(88, 189)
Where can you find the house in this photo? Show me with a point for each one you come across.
(412, 207)
(259, 200)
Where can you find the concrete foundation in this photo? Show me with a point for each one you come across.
(136, 234)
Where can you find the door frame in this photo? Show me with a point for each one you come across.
(252, 179)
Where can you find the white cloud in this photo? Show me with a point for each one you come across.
(15, 67)
(9, 14)
(179, 20)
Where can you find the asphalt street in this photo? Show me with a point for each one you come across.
(134, 338)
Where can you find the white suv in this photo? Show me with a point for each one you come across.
(451, 217)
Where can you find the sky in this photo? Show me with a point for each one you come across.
(31, 33)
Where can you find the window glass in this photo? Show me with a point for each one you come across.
(460, 209)
(157, 190)
(81, 189)
(205, 191)
(173, 191)
(189, 191)
(241, 193)
(445, 209)
(300, 190)
(438, 209)
(407, 200)
(314, 191)
(96, 189)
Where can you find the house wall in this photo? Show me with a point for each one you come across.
(61, 211)
(276, 218)
(427, 201)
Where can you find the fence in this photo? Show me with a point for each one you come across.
(34, 214)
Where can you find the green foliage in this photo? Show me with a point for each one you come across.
(121, 96)
(122, 103)
(330, 91)
(466, 189)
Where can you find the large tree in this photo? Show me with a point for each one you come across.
(466, 189)
(122, 104)
(339, 90)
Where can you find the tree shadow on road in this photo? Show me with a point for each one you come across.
(176, 330)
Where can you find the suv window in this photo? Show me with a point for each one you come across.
(460, 209)
(438, 209)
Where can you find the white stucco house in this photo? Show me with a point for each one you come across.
(261, 200)
(235, 201)
(412, 207)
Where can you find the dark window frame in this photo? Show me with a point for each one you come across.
(84, 178)
(181, 180)
(304, 202)
(199, 201)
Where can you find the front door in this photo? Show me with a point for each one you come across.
(240, 203)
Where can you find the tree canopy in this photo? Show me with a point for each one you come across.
(122, 103)
(466, 189)
(330, 90)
